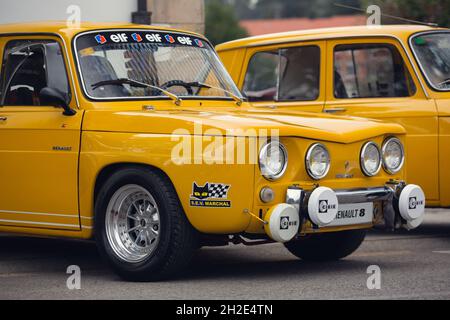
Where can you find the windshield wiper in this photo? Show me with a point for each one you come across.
(446, 82)
(197, 84)
(138, 84)
(235, 97)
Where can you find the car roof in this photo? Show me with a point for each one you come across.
(61, 28)
(399, 31)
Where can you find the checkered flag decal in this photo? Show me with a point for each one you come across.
(218, 191)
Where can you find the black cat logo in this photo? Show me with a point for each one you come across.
(200, 192)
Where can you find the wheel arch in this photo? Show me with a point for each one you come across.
(108, 170)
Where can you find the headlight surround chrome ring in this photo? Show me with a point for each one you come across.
(310, 169)
(384, 150)
(364, 169)
(267, 172)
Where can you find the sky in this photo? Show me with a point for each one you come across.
(38, 10)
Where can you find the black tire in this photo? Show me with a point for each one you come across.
(178, 239)
(327, 246)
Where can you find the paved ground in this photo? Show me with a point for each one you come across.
(413, 265)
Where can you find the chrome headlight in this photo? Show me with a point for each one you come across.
(370, 159)
(318, 161)
(273, 160)
(393, 155)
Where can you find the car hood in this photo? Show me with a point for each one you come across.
(249, 123)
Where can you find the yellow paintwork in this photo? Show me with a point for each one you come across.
(424, 115)
(46, 191)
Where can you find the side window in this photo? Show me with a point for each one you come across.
(261, 80)
(283, 75)
(300, 76)
(370, 71)
(28, 67)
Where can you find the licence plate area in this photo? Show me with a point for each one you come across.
(353, 214)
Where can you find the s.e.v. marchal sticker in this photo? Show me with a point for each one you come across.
(210, 195)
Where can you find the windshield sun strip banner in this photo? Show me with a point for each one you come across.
(139, 36)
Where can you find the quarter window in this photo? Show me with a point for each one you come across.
(370, 71)
(289, 74)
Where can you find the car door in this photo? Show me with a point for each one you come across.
(373, 78)
(39, 146)
(292, 75)
(430, 49)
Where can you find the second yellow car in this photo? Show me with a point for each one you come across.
(396, 74)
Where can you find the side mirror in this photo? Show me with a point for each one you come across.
(56, 98)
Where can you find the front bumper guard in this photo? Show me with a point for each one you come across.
(389, 195)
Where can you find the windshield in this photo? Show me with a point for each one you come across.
(433, 54)
(111, 64)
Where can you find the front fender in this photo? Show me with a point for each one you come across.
(231, 185)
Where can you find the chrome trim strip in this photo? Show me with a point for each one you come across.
(66, 49)
(40, 214)
(41, 223)
(419, 79)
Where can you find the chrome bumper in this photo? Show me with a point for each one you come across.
(387, 194)
(365, 195)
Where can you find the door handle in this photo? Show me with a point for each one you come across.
(334, 110)
(3, 118)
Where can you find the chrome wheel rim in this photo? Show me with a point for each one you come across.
(133, 223)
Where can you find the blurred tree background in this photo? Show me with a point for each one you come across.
(222, 23)
(222, 16)
(434, 11)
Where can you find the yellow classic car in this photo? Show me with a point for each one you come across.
(398, 74)
(137, 137)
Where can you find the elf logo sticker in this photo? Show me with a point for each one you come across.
(413, 203)
(199, 43)
(100, 39)
(169, 38)
(285, 223)
(137, 37)
(324, 206)
(153, 37)
(210, 195)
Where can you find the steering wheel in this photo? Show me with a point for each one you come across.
(178, 83)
